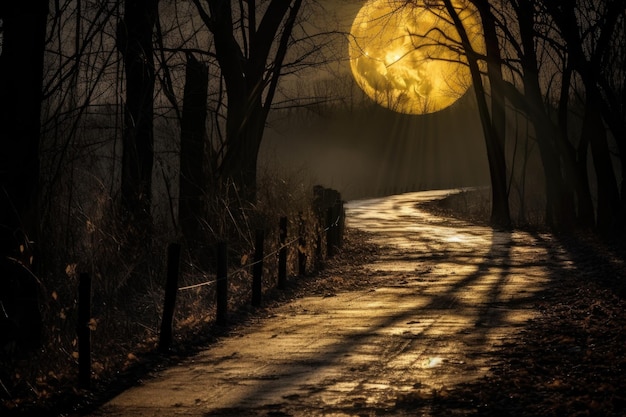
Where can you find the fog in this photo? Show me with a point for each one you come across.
(371, 151)
(358, 147)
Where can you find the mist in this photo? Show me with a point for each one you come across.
(367, 150)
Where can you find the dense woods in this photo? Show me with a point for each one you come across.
(557, 64)
(126, 125)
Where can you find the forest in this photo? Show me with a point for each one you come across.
(128, 125)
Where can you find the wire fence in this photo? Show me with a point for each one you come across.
(335, 223)
(330, 211)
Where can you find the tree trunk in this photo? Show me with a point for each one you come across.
(193, 178)
(576, 157)
(21, 78)
(609, 211)
(134, 39)
(560, 209)
(240, 162)
(590, 65)
(493, 125)
(250, 74)
(586, 215)
(500, 212)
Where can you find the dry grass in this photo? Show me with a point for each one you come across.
(128, 293)
(474, 205)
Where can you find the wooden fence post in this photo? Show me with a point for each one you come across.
(169, 302)
(302, 247)
(83, 331)
(319, 241)
(257, 269)
(282, 254)
(222, 284)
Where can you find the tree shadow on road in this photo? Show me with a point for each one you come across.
(570, 360)
(473, 339)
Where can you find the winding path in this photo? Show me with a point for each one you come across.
(446, 295)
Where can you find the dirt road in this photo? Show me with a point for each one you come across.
(446, 294)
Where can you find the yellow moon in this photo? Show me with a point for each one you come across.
(407, 56)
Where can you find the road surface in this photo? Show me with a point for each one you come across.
(446, 295)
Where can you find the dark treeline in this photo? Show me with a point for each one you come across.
(561, 65)
(127, 125)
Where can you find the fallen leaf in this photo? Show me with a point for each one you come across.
(70, 270)
(93, 324)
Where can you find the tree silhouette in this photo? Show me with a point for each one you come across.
(193, 175)
(134, 41)
(250, 49)
(493, 121)
(588, 64)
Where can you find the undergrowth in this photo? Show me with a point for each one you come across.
(474, 205)
(128, 288)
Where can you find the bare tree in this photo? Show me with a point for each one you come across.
(527, 94)
(134, 40)
(493, 121)
(193, 175)
(586, 49)
(250, 46)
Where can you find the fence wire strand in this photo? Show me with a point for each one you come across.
(246, 266)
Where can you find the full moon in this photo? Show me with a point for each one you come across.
(407, 56)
